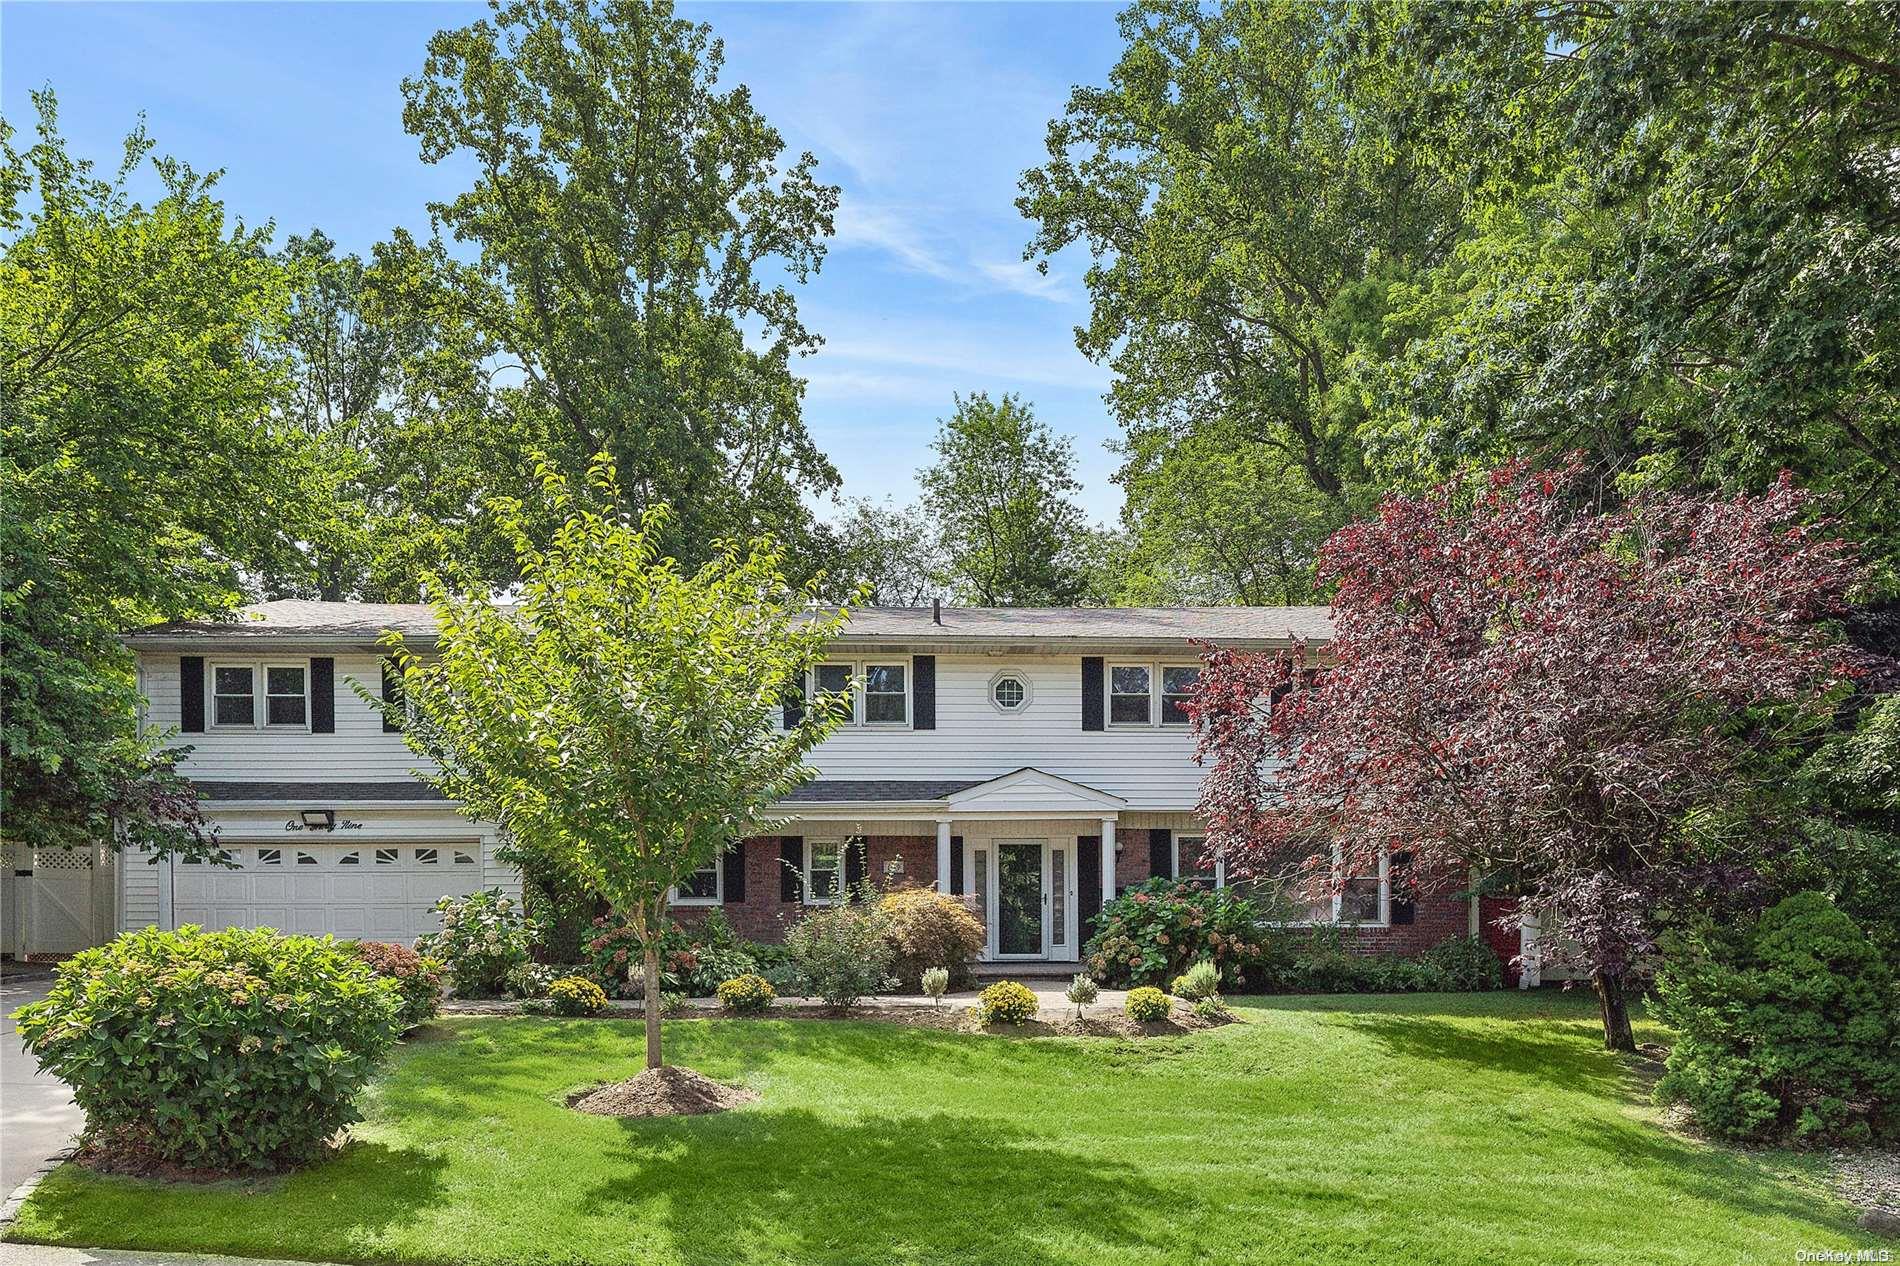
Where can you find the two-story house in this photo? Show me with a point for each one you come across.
(1033, 760)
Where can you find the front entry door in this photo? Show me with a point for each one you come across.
(1022, 897)
(1028, 892)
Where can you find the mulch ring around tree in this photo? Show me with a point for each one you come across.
(666, 1091)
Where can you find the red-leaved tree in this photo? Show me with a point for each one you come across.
(1580, 701)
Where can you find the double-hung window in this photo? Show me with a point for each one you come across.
(286, 700)
(1363, 899)
(1150, 694)
(878, 692)
(234, 695)
(701, 888)
(824, 871)
(1130, 687)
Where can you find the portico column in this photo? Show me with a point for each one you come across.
(943, 856)
(1108, 860)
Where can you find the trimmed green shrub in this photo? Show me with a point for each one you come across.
(935, 982)
(843, 951)
(1082, 992)
(1008, 1002)
(1787, 1028)
(1154, 931)
(484, 936)
(1146, 1004)
(1461, 964)
(1199, 981)
(747, 995)
(224, 1050)
(576, 995)
(418, 978)
(931, 929)
(531, 980)
(716, 964)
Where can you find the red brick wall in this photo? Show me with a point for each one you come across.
(1131, 862)
(763, 917)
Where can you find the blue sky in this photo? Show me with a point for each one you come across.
(925, 114)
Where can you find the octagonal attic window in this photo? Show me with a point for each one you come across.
(1009, 692)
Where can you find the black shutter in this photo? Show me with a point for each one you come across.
(794, 702)
(1088, 862)
(392, 695)
(924, 691)
(791, 866)
(1161, 853)
(1400, 909)
(191, 694)
(854, 862)
(956, 865)
(323, 695)
(735, 874)
(1092, 692)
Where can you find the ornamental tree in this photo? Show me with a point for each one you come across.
(621, 719)
(1580, 702)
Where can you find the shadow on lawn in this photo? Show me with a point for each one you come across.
(794, 1186)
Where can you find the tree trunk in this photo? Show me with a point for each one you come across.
(651, 993)
(1617, 1035)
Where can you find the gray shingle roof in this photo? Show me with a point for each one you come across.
(297, 620)
(879, 790)
(318, 794)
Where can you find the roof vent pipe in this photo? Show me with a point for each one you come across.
(936, 610)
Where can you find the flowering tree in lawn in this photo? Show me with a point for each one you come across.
(621, 719)
(1581, 701)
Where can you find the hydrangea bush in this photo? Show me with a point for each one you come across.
(484, 936)
(240, 1049)
(1155, 930)
(418, 978)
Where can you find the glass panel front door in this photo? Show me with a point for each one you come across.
(1019, 898)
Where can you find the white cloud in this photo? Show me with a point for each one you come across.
(862, 226)
(1025, 278)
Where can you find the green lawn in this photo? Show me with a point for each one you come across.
(1416, 1129)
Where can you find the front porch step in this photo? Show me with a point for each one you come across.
(1026, 971)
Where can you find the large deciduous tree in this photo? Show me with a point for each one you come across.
(143, 468)
(625, 259)
(1581, 701)
(1242, 226)
(620, 720)
(1685, 241)
(1000, 492)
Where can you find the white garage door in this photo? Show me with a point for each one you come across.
(379, 892)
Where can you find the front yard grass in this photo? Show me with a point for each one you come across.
(1421, 1129)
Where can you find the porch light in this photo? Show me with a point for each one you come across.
(319, 819)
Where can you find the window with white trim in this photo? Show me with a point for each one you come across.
(878, 690)
(824, 871)
(1130, 690)
(1009, 691)
(1178, 684)
(1361, 900)
(703, 887)
(887, 694)
(286, 695)
(234, 695)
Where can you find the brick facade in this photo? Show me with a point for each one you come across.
(1439, 913)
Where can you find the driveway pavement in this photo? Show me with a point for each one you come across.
(37, 1115)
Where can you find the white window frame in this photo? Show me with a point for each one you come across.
(264, 697)
(259, 669)
(211, 694)
(718, 898)
(1154, 669)
(1385, 895)
(1110, 694)
(1161, 695)
(857, 670)
(1012, 674)
(809, 894)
